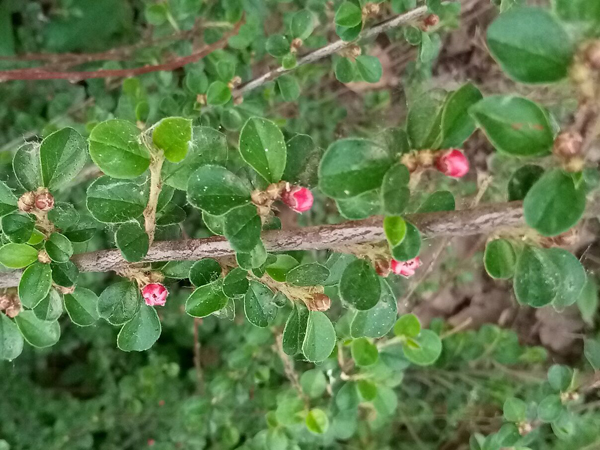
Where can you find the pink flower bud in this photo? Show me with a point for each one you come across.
(298, 198)
(406, 268)
(155, 294)
(44, 201)
(452, 163)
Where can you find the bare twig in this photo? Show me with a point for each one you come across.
(288, 368)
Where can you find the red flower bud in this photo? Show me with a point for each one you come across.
(432, 20)
(155, 294)
(44, 201)
(298, 198)
(406, 268)
(452, 163)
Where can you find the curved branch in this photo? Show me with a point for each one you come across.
(481, 220)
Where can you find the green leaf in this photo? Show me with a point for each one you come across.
(258, 305)
(226, 70)
(205, 271)
(514, 125)
(311, 274)
(410, 246)
(36, 332)
(8, 200)
(302, 24)
(500, 259)
(17, 256)
(348, 15)
(395, 193)
(564, 427)
(581, 12)
(395, 230)
(295, 329)
(572, 277)
(362, 206)
(83, 231)
(119, 302)
(424, 121)
(63, 215)
(345, 70)
(367, 389)
(351, 167)
(369, 68)
(141, 332)
(588, 301)
(554, 204)
(515, 410)
(214, 224)
(560, 377)
(377, 321)
(317, 421)
(207, 146)
(82, 306)
(407, 325)
(320, 337)
(437, 202)
(235, 283)
(62, 156)
(256, 258)
(18, 228)
(11, 341)
(173, 135)
(218, 93)
(59, 248)
(386, 401)
(591, 350)
(37, 237)
(50, 308)
(115, 201)
(360, 286)
(172, 214)
(178, 270)
(133, 241)
(35, 284)
(302, 160)
(347, 397)
(427, 351)
(364, 352)
(530, 45)
(206, 300)
(550, 408)
(348, 33)
(115, 147)
(313, 383)
(279, 269)
(537, 279)
(27, 166)
(216, 190)
(522, 180)
(262, 146)
(242, 228)
(457, 124)
(277, 45)
(288, 87)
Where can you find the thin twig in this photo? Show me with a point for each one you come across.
(288, 368)
(197, 361)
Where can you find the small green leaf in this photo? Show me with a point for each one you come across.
(255, 259)
(348, 15)
(428, 351)
(27, 166)
(36, 332)
(377, 321)
(277, 45)
(242, 228)
(11, 341)
(119, 302)
(367, 390)
(313, 383)
(302, 160)
(550, 408)
(50, 308)
(226, 70)
(258, 305)
(369, 68)
(588, 301)
(395, 193)
(59, 248)
(141, 332)
(362, 206)
(8, 200)
(457, 124)
(437, 202)
(218, 93)
(62, 156)
(82, 306)
(320, 337)
(530, 45)
(302, 24)
(235, 283)
(364, 352)
(63, 215)
(115, 147)
(348, 33)
(347, 397)
(537, 279)
(500, 259)
(311, 274)
(288, 87)
(216, 190)
(360, 286)
(317, 421)
(554, 204)
(395, 230)
(83, 231)
(408, 325)
(133, 241)
(18, 228)
(515, 410)
(35, 284)
(572, 277)
(205, 271)
(115, 201)
(514, 125)
(424, 121)
(279, 269)
(351, 167)
(206, 300)
(37, 237)
(262, 146)
(410, 246)
(522, 180)
(591, 350)
(560, 377)
(345, 70)
(173, 135)
(295, 329)
(17, 256)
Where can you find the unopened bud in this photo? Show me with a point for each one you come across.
(592, 55)
(44, 201)
(452, 163)
(382, 267)
(318, 302)
(568, 144)
(406, 268)
(43, 257)
(431, 20)
(370, 9)
(298, 198)
(295, 45)
(155, 294)
(26, 201)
